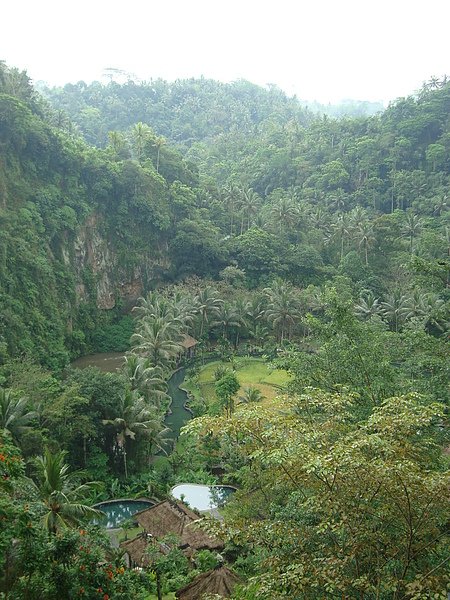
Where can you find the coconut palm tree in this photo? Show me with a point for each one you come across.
(140, 134)
(135, 418)
(395, 309)
(318, 219)
(341, 229)
(357, 217)
(226, 318)
(145, 378)
(155, 306)
(60, 492)
(184, 308)
(365, 237)
(240, 309)
(249, 203)
(368, 306)
(158, 143)
(282, 310)
(14, 414)
(231, 200)
(411, 228)
(431, 309)
(284, 214)
(208, 305)
(159, 340)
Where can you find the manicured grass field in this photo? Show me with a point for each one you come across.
(249, 371)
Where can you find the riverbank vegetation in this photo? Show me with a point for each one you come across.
(296, 265)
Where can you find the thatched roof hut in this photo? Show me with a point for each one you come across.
(173, 517)
(219, 581)
(188, 342)
(137, 548)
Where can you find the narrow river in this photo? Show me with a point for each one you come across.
(108, 362)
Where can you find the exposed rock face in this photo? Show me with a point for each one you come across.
(95, 252)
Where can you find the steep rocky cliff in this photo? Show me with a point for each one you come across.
(113, 282)
(82, 236)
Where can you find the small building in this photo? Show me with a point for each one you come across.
(219, 581)
(165, 518)
(189, 343)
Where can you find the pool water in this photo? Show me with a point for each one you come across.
(118, 511)
(203, 497)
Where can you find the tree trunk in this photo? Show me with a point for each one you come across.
(125, 463)
(158, 586)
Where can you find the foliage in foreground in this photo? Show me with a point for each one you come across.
(338, 508)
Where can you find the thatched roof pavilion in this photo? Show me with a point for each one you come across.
(137, 547)
(219, 581)
(173, 517)
(188, 342)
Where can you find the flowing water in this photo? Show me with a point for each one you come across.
(108, 362)
(179, 415)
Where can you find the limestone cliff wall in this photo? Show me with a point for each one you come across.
(94, 250)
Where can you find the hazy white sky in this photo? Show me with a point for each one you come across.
(319, 49)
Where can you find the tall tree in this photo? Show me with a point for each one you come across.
(60, 492)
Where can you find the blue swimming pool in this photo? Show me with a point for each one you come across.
(118, 511)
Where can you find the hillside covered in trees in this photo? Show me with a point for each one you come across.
(134, 217)
(277, 192)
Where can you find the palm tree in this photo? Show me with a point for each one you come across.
(231, 197)
(208, 305)
(428, 307)
(365, 237)
(159, 340)
(140, 134)
(338, 200)
(60, 492)
(249, 203)
(411, 228)
(117, 142)
(240, 309)
(319, 219)
(284, 213)
(158, 142)
(282, 310)
(14, 414)
(396, 309)
(368, 306)
(135, 418)
(341, 229)
(251, 394)
(184, 308)
(226, 318)
(357, 217)
(145, 378)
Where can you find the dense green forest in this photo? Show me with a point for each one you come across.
(283, 241)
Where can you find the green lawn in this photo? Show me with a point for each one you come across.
(249, 371)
